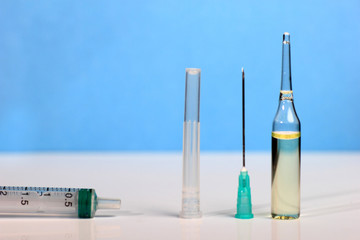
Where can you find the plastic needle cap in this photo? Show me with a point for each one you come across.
(244, 207)
(191, 146)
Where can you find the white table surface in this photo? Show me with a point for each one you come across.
(149, 185)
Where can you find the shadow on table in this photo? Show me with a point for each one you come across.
(231, 212)
(109, 214)
(161, 213)
(262, 210)
(331, 209)
(350, 205)
(117, 213)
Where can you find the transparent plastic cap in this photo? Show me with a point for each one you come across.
(191, 146)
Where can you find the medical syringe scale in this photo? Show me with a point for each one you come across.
(53, 201)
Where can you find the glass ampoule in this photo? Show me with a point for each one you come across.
(285, 168)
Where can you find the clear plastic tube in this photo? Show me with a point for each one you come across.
(191, 146)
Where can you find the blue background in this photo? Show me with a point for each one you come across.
(110, 75)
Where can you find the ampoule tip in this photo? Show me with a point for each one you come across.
(286, 37)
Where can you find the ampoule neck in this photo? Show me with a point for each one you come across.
(286, 118)
(286, 64)
(286, 93)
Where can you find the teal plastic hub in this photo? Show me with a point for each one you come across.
(244, 206)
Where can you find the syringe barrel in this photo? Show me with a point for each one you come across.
(191, 146)
(48, 201)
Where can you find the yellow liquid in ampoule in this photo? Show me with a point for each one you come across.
(285, 188)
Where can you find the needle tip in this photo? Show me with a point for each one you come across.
(242, 70)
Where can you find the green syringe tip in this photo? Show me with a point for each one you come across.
(244, 207)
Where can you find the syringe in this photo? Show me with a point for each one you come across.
(53, 201)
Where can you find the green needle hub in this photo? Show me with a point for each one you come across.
(244, 207)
